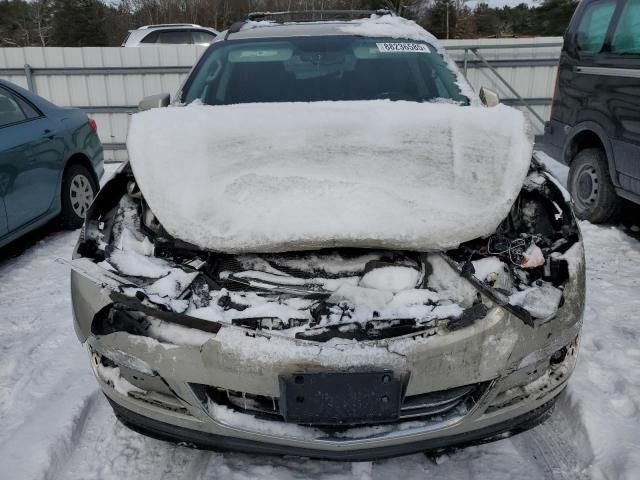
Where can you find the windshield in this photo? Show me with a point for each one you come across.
(310, 69)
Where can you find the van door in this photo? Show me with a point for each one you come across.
(583, 97)
(622, 83)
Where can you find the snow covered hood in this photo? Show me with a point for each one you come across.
(294, 176)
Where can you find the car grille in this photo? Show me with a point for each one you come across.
(427, 406)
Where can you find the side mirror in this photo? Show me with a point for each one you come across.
(488, 97)
(154, 101)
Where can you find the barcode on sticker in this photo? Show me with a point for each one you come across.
(402, 47)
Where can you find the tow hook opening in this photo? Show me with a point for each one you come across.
(559, 356)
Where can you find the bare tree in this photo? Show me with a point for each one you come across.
(40, 14)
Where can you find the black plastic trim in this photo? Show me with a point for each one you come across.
(208, 441)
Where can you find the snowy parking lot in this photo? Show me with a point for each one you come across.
(56, 424)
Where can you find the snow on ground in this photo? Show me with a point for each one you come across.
(55, 424)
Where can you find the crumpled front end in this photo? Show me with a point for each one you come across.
(342, 353)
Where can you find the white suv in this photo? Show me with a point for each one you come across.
(170, 34)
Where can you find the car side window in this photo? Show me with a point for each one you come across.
(201, 37)
(10, 111)
(626, 38)
(175, 37)
(151, 38)
(593, 26)
(29, 110)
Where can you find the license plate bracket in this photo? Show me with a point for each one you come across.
(340, 398)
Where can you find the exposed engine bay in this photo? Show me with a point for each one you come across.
(340, 293)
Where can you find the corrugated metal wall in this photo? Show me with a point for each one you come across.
(530, 69)
(111, 90)
(109, 82)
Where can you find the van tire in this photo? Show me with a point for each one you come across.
(594, 196)
(78, 183)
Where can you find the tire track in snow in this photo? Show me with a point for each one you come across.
(33, 333)
(63, 450)
(552, 447)
(105, 449)
(37, 446)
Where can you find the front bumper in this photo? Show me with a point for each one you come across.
(516, 372)
(169, 432)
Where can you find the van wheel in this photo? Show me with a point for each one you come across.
(78, 191)
(593, 194)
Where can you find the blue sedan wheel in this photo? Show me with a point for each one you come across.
(78, 191)
(81, 193)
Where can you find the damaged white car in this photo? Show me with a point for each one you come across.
(327, 246)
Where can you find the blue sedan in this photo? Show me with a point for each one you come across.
(50, 163)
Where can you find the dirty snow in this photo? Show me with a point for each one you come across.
(274, 185)
(56, 425)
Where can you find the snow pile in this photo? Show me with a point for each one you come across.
(348, 301)
(448, 283)
(112, 376)
(541, 301)
(486, 268)
(391, 278)
(173, 284)
(559, 171)
(173, 334)
(294, 176)
(129, 262)
(133, 251)
(365, 288)
(359, 305)
(388, 26)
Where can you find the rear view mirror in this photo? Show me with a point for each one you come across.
(154, 101)
(488, 97)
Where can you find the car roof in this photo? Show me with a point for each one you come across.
(135, 36)
(384, 25)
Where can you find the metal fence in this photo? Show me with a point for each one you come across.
(108, 82)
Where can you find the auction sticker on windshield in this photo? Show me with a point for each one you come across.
(402, 47)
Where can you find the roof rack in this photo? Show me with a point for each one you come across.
(315, 15)
(169, 25)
